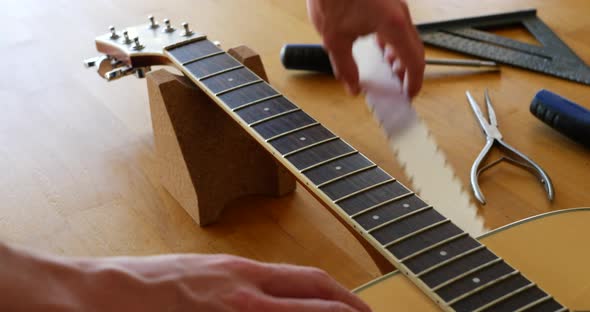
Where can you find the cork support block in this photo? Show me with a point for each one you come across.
(205, 158)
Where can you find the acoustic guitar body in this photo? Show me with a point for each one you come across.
(552, 249)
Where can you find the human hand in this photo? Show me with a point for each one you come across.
(171, 283)
(341, 22)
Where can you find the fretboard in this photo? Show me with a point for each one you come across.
(454, 269)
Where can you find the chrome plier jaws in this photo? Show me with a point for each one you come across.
(494, 137)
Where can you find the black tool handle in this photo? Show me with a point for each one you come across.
(563, 115)
(311, 57)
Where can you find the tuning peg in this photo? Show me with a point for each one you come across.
(187, 31)
(126, 71)
(94, 61)
(153, 23)
(169, 27)
(126, 38)
(137, 45)
(114, 34)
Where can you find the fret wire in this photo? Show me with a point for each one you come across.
(310, 146)
(382, 204)
(274, 117)
(455, 258)
(220, 72)
(328, 161)
(202, 57)
(462, 275)
(238, 87)
(368, 188)
(482, 287)
(347, 175)
(534, 303)
(291, 131)
(270, 97)
(409, 214)
(403, 238)
(419, 252)
(512, 294)
(564, 309)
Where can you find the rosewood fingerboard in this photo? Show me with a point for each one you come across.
(454, 269)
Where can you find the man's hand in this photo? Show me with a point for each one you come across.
(166, 283)
(340, 22)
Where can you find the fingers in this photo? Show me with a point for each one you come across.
(343, 64)
(287, 281)
(399, 32)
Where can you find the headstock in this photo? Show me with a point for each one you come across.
(135, 49)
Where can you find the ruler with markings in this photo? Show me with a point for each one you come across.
(468, 36)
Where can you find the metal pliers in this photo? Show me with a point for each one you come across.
(493, 136)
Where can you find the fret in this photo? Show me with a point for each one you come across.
(455, 258)
(346, 175)
(550, 305)
(400, 203)
(529, 297)
(265, 109)
(255, 123)
(420, 252)
(278, 136)
(299, 150)
(408, 226)
(304, 170)
(196, 59)
(512, 294)
(339, 189)
(229, 81)
(480, 277)
(211, 65)
(534, 303)
(403, 238)
(447, 251)
(283, 124)
(426, 238)
(195, 50)
(484, 286)
(250, 95)
(337, 167)
(375, 196)
(457, 267)
(494, 294)
(319, 154)
(243, 85)
(254, 102)
(563, 309)
(366, 189)
(302, 137)
(219, 72)
(373, 229)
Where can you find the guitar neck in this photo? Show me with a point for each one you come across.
(454, 269)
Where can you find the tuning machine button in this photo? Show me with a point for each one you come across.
(126, 38)
(168, 27)
(153, 23)
(137, 46)
(114, 35)
(187, 31)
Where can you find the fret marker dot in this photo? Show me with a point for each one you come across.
(476, 280)
(266, 109)
(230, 79)
(375, 217)
(443, 253)
(338, 168)
(406, 205)
(302, 138)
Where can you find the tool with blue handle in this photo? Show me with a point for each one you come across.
(563, 115)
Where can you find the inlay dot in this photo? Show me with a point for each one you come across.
(266, 109)
(230, 79)
(302, 138)
(443, 253)
(476, 280)
(338, 168)
(406, 205)
(375, 217)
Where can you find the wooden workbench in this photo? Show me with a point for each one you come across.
(77, 153)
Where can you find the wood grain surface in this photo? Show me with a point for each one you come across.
(77, 153)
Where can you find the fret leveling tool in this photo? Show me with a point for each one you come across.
(468, 36)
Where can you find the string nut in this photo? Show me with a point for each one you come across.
(168, 27)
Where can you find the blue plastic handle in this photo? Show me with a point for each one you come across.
(562, 115)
